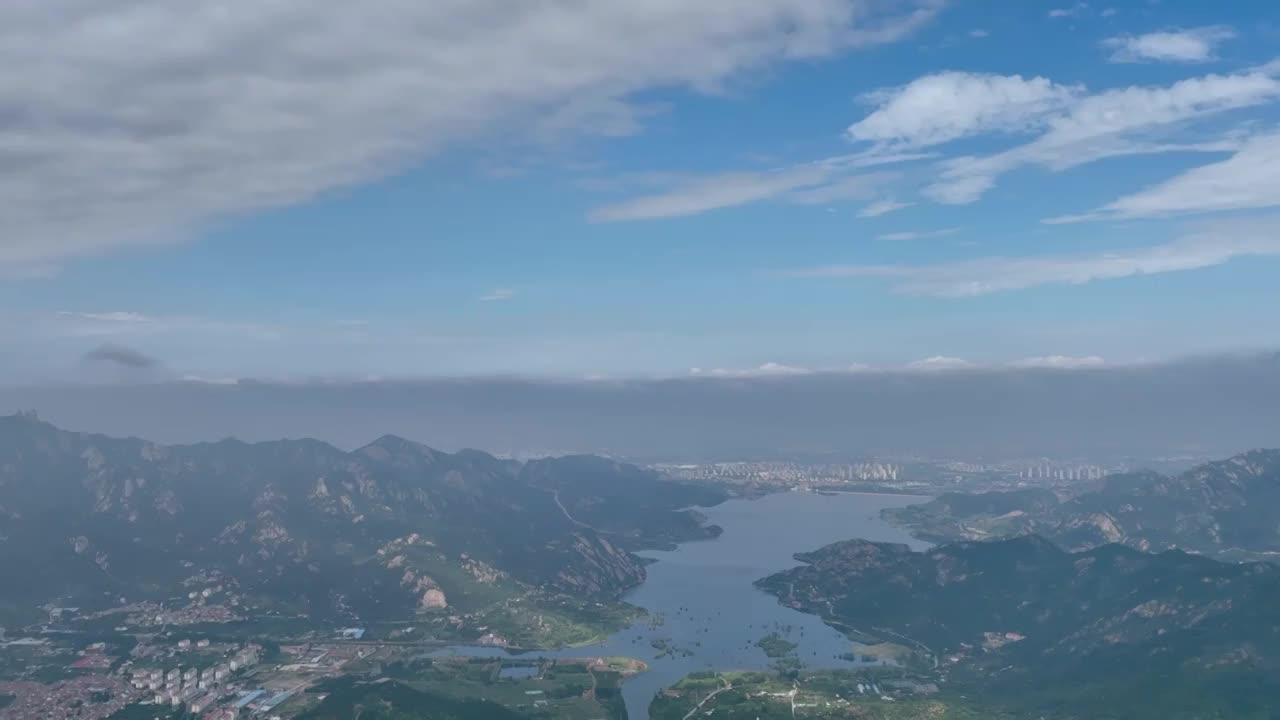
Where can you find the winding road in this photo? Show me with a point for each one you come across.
(705, 700)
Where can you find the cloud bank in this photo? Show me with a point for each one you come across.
(1063, 406)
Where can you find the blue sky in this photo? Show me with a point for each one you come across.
(586, 189)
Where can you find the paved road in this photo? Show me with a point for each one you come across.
(696, 708)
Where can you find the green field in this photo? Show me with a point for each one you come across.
(543, 621)
(566, 689)
(825, 694)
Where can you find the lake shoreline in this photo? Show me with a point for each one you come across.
(704, 611)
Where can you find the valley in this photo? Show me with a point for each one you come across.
(293, 579)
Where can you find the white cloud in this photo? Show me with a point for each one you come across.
(773, 369)
(1249, 179)
(1109, 124)
(498, 295)
(1073, 126)
(940, 362)
(767, 369)
(1064, 362)
(201, 380)
(150, 118)
(1058, 362)
(918, 234)
(1211, 245)
(978, 33)
(947, 106)
(1185, 46)
(1066, 12)
(882, 207)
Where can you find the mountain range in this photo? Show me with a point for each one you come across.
(1224, 509)
(383, 531)
(1037, 631)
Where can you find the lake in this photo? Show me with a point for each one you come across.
(705, 614)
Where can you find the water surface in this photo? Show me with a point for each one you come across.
(705, 614)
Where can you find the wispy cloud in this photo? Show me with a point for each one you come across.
(1071, 126)
(498, 295)
(882, 207)
(1058, 362)
(853, 187)
(1271, 67)
(120, 318)
(129, 107)
(1069, 11)
(918, 234)
(814, 183)
(1063, 362)
(767, 369)
(935, 363)
(1249, 179)
(1210, 245)
(123, 323)
(1112, 123)
(1195, 45)
(940, 362)
(713, 193)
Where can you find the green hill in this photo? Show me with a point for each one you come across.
(1108, 632)
(1224, 509)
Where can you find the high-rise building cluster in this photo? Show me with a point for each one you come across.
(197, 688)
(1048, 471)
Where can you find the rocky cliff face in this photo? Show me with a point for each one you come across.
(85, 514)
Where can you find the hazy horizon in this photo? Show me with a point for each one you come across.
(1201, 406)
